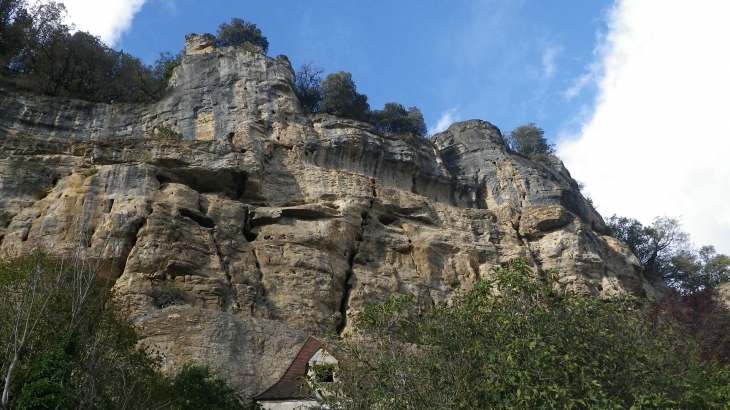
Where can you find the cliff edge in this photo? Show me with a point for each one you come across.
(274, 224)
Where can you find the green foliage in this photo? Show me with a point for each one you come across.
(307, 82)
(11, 38)
(529, 140)
(164, 67)
(665, 251)
(91, 172)
(196, 387)
(239, 32)
(48, 379)
(324, 373)
(67, 345)
(50, 58)
(395, 118)
(518, 341)
(337, 95)
(340, 97)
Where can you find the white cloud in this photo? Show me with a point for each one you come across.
(447, 118)
(658, 141)
(107, 19)
(579, 84)
(549, 54)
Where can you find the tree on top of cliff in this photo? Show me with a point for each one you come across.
(239, 32)
(340, 97)
(395, 118)
(10, 37)
(50, 58)
(164, 67)
(529, 140)
(307, 80)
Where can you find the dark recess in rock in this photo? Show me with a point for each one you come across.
(198, 217)
(229, 181)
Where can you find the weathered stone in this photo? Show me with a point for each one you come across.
(538, 219)
(275, 224)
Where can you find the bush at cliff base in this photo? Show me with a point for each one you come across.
(65, 344)
(517, 341)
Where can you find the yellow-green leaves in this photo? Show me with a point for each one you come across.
(515, 341)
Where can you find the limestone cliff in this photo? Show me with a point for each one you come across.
(276, 224)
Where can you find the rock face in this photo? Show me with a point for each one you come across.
(274, 224)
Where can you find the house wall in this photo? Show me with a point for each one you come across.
(288, 404)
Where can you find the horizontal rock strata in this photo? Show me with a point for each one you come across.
(273, 224)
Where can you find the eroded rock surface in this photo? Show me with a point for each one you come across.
(275, 224)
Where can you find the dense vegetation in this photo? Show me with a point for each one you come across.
(65, 344)
(48, 57)
(42, 54)
(238, 33)
(518, 340)
(337, 94)
(665, 252)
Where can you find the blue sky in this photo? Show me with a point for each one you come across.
(504, 61)
(633, 92)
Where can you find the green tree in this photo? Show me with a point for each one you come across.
(518, 341)
(11, 40)
(239, 32)
(164, 66)
(697, 270)
(307, 83)
(529, 140)
(196, 387)
(395, 118)
(66, 345)
(52, 59)
(340, 97)
(665, 252)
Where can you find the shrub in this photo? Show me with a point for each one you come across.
(529, 140)
(340, 97)
(394, 118)
(166, 294)
(239, 32)
(197, 387)
(68, 345)
(53, 59)
(518, 341)
(164, 66)
(307, 82)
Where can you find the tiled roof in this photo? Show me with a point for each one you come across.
(290, 384)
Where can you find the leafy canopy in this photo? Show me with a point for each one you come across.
(665, 252)
(239, 32)
(395, 118)
(529, 140)
(49, 57)
(307, 83)
(66, 344)
(337, 95)
(518, 340)
(340, 97)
